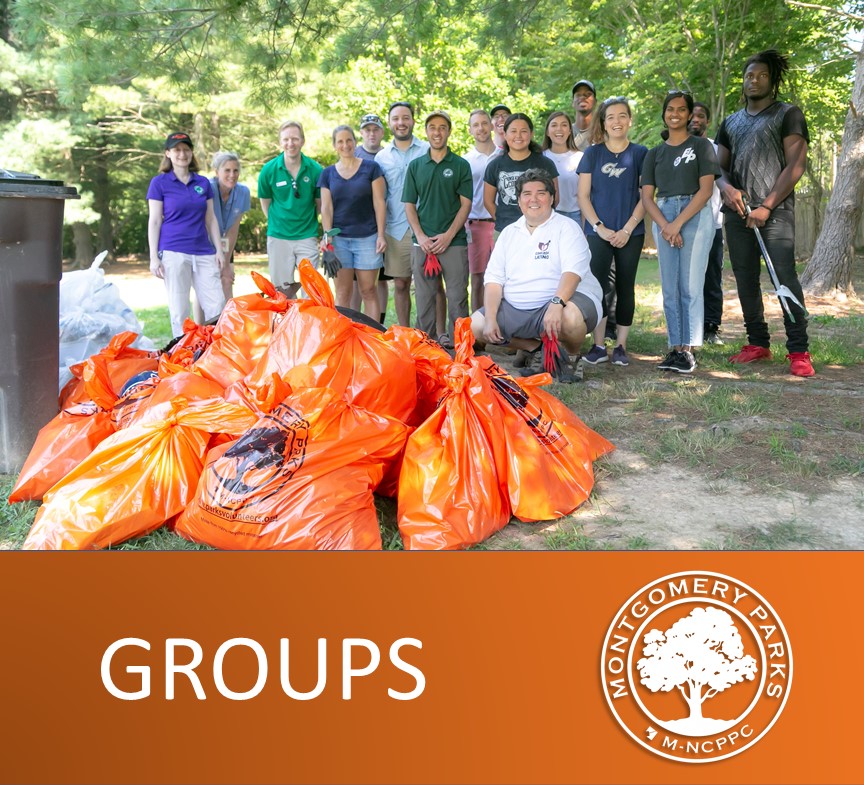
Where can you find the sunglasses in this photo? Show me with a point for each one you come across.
(615, 99)
(295, 189)
(678, 93)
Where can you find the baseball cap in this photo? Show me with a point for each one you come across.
(370, 119)
(178, 138)
(589, 85)
(497, 107)
(438, 113)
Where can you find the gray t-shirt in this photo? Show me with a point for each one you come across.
(675, 170)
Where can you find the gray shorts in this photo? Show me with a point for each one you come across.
(514, 323)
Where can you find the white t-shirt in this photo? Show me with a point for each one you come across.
(478, 162)
(568, 179)
(716, 200)
(529, 266)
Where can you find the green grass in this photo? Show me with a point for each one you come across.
(568, 536)
(156, 324)
(15, 519)
(779, 536)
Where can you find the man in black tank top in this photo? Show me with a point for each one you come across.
(762, 150)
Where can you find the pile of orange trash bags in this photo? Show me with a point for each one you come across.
(273, 430)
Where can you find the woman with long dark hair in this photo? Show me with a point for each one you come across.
(609, 175)
(520, 153)
(680, 172)
(185, 242)
(560, 148)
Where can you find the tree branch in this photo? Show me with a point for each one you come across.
(827, 10)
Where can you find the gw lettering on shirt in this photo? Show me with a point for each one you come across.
(612, 170)
(687, 156)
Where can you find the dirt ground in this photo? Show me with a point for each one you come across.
(731, 458)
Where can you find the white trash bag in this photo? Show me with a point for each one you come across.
(91, 314)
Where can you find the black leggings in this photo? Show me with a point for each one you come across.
(626, 264)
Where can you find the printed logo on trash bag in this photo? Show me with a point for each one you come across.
(260, 462)
(696, 666)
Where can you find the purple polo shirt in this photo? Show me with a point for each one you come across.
(184, 208)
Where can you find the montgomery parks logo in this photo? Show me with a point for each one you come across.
(696, 667)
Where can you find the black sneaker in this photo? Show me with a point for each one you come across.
(685, 362)
(668, 361)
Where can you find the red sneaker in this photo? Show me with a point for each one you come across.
(750, 353)
(799, 364)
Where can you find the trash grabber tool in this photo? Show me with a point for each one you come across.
(783, 292)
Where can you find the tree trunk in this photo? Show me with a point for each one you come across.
(694, 702)
(830, 267)
(83, 240)
(102, 200)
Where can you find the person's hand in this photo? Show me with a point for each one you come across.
(440, 243)
(619, 239)
(732, 198)
(758, 217)
(671, 233)
(553, 320)
(380, 244)
(425, 243)
(491, 331)
(157, 268)
(221, 259)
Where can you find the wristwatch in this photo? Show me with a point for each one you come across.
(556, 300)
(598, 223)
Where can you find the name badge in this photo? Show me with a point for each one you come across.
(224, 242)
(281, 183)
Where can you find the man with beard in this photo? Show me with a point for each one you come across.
(713, 290)
(584, 101)
(762, 150)
(481, 226)
(394, 161)
(437, 197)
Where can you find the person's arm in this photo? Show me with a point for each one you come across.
(379, 202)
(265, 206)
(414, 222)
(441, 242)
(699, 200)
(588, 211)
(795, 152)
(231, 237)
(154, 228)
(557, 192)
(490, 192)
(493, 293)
(326, 210)
(212, 226)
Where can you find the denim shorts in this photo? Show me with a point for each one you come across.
(358, 253)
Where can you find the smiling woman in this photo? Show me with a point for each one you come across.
(185, 242)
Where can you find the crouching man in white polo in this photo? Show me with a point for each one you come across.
(539, 282)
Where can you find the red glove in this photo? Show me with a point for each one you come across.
(431, 266)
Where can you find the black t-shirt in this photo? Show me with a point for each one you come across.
(676, 170)
(755, 145)
(503, 172)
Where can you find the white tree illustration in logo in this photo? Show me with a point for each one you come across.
(701, 655)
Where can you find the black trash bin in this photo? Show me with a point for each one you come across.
(31, 241)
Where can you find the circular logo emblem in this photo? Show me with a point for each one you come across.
(305, 178)
(696, 667)
(447, 172)
(199, 189)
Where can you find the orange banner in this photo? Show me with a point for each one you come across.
(457, 667)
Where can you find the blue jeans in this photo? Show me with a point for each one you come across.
(358, 252)
(682, 271)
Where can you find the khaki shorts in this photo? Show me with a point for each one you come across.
(284, 256)
(397, 257)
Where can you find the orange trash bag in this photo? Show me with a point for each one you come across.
(242, 333)
(136, 479)
(196, 338)
(431, 363)
(453, 484)
(122, 362)
(345, 356)
(70, 437)
(300, 479)
(549, 449)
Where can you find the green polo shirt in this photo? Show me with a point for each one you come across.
(435, 187)
(291, 216)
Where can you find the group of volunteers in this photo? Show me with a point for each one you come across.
(549, 235)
